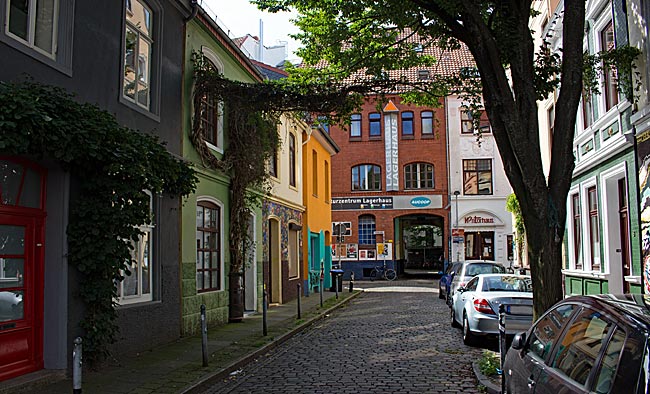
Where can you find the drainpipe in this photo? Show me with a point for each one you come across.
(195, 10)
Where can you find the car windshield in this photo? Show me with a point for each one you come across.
(507, 283)
(484, 268)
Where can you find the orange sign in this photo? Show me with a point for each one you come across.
(458, 232)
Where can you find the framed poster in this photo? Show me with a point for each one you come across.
(363, 254)
(352, 252)
(371, 254)
(385, 251)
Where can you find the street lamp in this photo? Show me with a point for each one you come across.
(456, 193)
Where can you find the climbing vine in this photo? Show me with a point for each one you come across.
(512, 206)
(112, 167)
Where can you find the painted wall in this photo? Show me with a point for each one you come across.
(213, 186)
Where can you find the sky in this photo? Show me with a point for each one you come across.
(242, 17)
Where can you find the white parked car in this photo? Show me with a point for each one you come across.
(475, 306)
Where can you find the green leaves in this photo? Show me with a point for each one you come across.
(114, 165)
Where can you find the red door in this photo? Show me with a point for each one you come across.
(21, 299)
(22, 215)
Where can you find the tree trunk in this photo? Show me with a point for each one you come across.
(545, 258)
(236, 293)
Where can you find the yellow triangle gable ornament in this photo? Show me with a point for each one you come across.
(390, 107)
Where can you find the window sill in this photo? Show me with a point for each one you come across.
(132, 105)
(213, 147)
(428, 137)
(585, 274)
(408, 137)
(355, 139)
(375, 138)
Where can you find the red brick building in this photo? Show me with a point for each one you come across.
(389, 185)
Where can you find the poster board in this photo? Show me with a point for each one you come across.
(385, 251)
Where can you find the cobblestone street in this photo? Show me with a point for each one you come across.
(394, 338)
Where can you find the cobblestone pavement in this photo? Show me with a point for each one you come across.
(394, 338)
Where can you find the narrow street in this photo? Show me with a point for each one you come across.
(394, 338)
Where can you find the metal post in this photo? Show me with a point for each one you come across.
(502, 343)
(77, 361)
(351, 281)
(322, 277)
(264, 308)
(204, 336)
(456, 193)
(335, 277)
(299, 297)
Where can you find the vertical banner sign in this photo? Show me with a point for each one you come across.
(390, 146)
(643, 164)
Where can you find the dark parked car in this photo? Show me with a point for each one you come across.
(584, 344)
(445, 280)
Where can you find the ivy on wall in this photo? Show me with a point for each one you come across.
(113, 166)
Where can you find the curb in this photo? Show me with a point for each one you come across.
(212, 378)
(484, 381)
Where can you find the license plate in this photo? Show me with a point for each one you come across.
(519, 309)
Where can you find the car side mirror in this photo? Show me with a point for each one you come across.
(519, 341)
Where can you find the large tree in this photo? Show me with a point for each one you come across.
(365, 35)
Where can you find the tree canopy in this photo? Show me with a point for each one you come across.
(373, 37)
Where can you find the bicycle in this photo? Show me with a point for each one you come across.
(383, 272)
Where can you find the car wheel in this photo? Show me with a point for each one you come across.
(452, 316)
(468, 337)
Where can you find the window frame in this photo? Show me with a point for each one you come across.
(413, 174)
(210, 203)
(478, 173)
(428, 130)
(62, 37)
(406, 118)
(148, 232)
(374, 124)
(292, 160)
(594, 233)
(314, 167)
(366, 226)
(217, 142)
(467, 123)
(369, 168)
(157, 18)
(577, 231)
(355, 125)
(610, 88)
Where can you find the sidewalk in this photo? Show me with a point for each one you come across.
(177, 367)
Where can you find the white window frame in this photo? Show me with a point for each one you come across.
(584, 208)
(147, 229)
(572, 237)
(609, 204)
(293, 251)
(140, 75)
(603, 19)
(218, 64)
(31, 28)
(221, 240)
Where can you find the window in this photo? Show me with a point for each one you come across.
(292, 160)
(581, 345)
(374, 121)
(366, 177)
(137, 54)
(423, 75)
(34, 23)
(577, 225)
(477, 176)
(211, 120)
(609, 363)
(314, 164)
(136, 286)
(273, 163)
(427, 122)
(607, 44)
(355, 125)
(41, 29)
(367, 230)
(418, 176)
(407, 123)
(587, 108)
(326, 176)
(594, 235)
(208, 246)
(468, 123)
(545, 332)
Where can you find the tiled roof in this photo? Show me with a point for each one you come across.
(239, 41)
(449, 62)
(269, 71)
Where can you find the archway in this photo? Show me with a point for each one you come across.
(422, 242)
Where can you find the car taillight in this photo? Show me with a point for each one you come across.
(483, 306)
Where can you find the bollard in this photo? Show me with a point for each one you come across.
(351, 282)
(264, 308)
(204, 336)
(502, 343)
(77, 353)
(321, 291)
(299, 297)
(335, 278)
